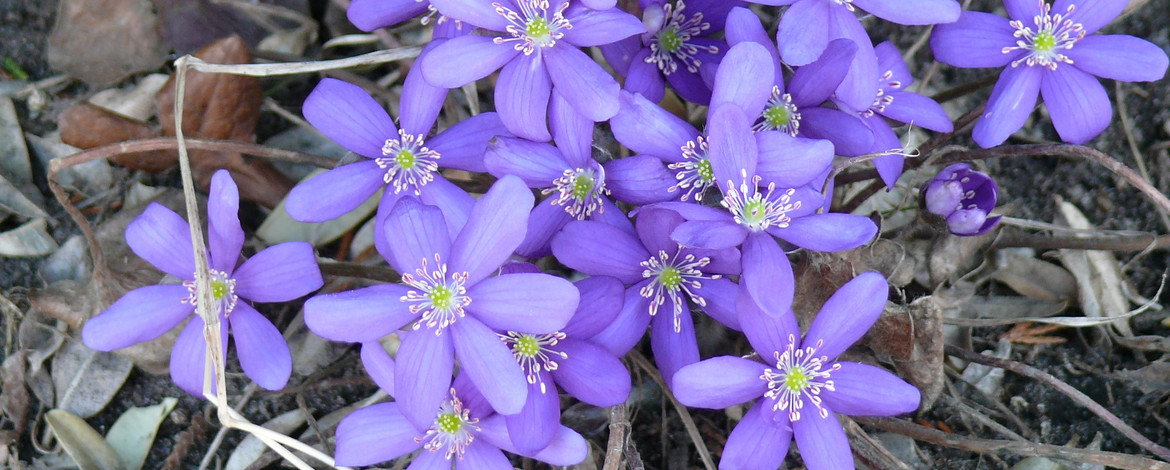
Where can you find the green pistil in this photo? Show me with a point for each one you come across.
(405, 159)
(537, 28)
(777, 116)
(526, 346)
(449, 423)
(219, 289)
(705, 171)
(1045, 42)
(441, 297)
(796, 380)
(582, 186)
(670, 278)
(754, 212)
(668, 40)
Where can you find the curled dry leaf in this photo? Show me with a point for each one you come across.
(821, 274)
(911, 338)
(86, 126)
(1098, 275)
(225, 107)
(104, 41)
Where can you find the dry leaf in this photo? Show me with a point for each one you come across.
(82, 443)
(86, 380)
(30, 239)
(191, 24)
(103, 41)
(40, 341)
(133, 433)
(1153, 378)
(1025, 333)
(86, 126)
(911, 338)
(1097, 273)
(224, 107)
(1033, 278)
(13, 397)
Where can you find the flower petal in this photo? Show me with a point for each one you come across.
(598, 27)
(494, 229)
(263, 352)
(464, 59)
(848, 133)
(767, 334)
(654, 227)
(890, 60)
(582, 82)
(804, 31)
(719, 382)
(720, 297)
(522, 93)
(645, 79)
(331, 194)
(534, 427)
(373, 434)
(743, 79)
(628, 327)
(455, 203)
(591, 374)
(226, 238)
(348, 115)
(379, 365)
(572, 131)
(821, 440)
(537, 163)
(791, 161)
(420, 102)
(1120, 57)
(596, 248)
(476, 12)
(422, 374)
(1023, 10)
(140, 315)
(279, 273)
(848, 314)
(546, 220)
(1091, 14)
(767, 274)
(188, 356)
(567, 448)
(646, 128)
(828, 232)
(482, 455)
(163, 239)
(639, 180)
(733, 152)
(672, 339)
(369, 15)
(461, 146)
(1010, 103)
(490, 365)
(977, 39)
(1077, 104)
(865, 390)
(524, 302)
(918, 110)
(709, 234)
(859, 87)
(756, 442)
(416, 234)
(430, 461)
(358, 315)
(913, 12)
(812, 84)
(743, 25)
(601, 300)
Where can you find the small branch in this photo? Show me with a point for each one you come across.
(172, 143)
(1112, 242)
(619, 424)
(342, 269)
(1067, 390)
(290, 68)
(1002, 447)
(688, 422)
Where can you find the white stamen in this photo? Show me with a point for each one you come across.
(408, 163)
(533, 27)
(672, 43)
(757, 210)
(440, 298)
(1053, 34)
(534, 352)
(799, 377)
(672, 274)
(694, 172)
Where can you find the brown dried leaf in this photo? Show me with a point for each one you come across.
(86, 126)
(13, 394)
(1034, 278)
(1098, 274)
(1025, 333)
(950, 257)
(103, 41)
(911, 338)
(225, 107)
(1153, 378)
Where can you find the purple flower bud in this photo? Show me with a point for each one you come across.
(963, 198)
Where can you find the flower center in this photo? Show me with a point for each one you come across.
(438, 297)
(882, 100)
(779, 113)
(534, 352)
(694, 172)
(408, 164)
(1053, 33)
(672, 44)
(533, 27)
(758, 210)
(847, 3)
(223, 292)
(800, 375)
(580, 191)
(672, 275)
(453, 429)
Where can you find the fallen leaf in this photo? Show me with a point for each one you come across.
(30, 239)
(40, 341)
(82, 443)
(14, 397)
(14, 162)
(133, 433)
(224, 107)
(89, 178)
(986, 378)
(911, 338)
(135, 101)
(70, 262)
(86, 380)
(1033, 278)
(86, 126)
(1097, 273)
(191, 24)
(1152, 378)
(950, 257)
(104, 41)
(1025, 333)
(279, 227)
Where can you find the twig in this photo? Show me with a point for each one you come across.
(343, 269)
(1110, 242)
(688, 422)
(619, 424)
(870, 450)
(289, 68)
(172, 143)
(1001, 447)
(222, 433)
(1067, 390)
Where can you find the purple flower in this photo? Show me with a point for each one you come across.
(894, 102)
(1051, 51)
(461, 430)
(800, 388)
(661, 275)
(963, 198)
(678, 49)
(808, 26)
(276, 274)
(447, 291)
(538, 49)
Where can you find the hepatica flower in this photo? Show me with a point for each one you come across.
(1048, 50)
(800, 386)
(279, 273)
(537, 45)
(447, 292)
(461, 432)
(963, 197)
